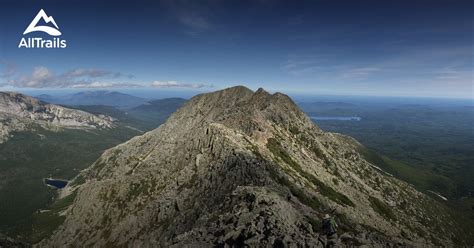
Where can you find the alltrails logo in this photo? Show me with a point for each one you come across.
(38, 42)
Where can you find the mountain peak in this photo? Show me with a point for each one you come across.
(241, 108)
(10, 96)
(233, 95)
(236, 167)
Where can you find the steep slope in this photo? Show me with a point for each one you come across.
(237, 167)
(20, 112)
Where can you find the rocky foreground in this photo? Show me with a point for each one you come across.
(19, 112)
(235, 168)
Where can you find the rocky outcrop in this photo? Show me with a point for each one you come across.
(7, 242)
(20, 112)
(237, 167)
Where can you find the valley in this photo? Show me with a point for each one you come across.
(39, 150)
(426, 142)
(429, 144)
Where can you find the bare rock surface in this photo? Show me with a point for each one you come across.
(7, 242)
(239, 168)
(19, 112)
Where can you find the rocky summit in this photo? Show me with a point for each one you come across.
(19, 112)
(239, 168)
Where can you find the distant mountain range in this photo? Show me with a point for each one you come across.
(144, 117)
(107, 98)
(161, 106)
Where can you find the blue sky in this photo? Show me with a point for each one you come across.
(394, 48)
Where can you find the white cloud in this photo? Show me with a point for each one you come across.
(86, 73)
(42, 77)
(94, 73)
(99, 84)
(175, 84)
(8, 70)
(94, 85)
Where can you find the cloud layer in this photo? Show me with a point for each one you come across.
(175, 84)
(42, 77)
(402, 70)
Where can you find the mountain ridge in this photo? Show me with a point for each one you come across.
(19, 112)
(236, 167)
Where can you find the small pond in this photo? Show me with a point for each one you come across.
(57, 183)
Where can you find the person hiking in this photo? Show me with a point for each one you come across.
(330, 230)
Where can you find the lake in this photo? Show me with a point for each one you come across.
(335, 118)
(57, 183)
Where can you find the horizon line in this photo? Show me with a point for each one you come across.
(198, 91)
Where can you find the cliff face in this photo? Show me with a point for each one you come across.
(19, 112)
(237, 167)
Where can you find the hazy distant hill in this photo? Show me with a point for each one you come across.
(154, 113)
(143, 117)
(108, 98)
(167, 105)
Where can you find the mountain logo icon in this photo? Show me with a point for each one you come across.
(47, 29)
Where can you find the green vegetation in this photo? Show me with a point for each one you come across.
(422, 178)
(302, 196)
(330, 192)
(315, 224)
(137, 189)
(381, 208)
(45, 222)
(254, 149)
(143, 119)
(79, 180)
(28, 157)
(347, 225)
(320, 154)
(428, 144)
(432, 142)
(275, 147)
(294, 130)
